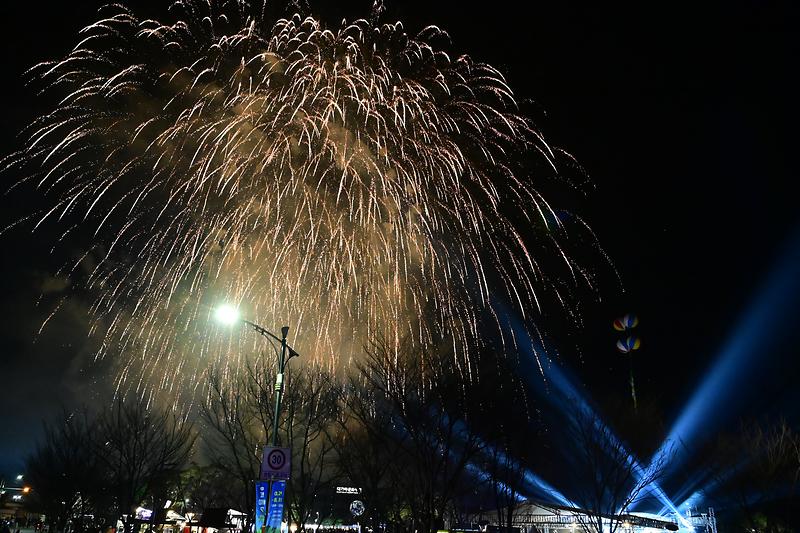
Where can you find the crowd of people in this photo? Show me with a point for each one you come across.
(8, 525)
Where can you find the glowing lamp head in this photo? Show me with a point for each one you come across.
(26, 490)
(227, 315)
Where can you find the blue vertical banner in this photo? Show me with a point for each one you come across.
(275, 513)
(262, 491)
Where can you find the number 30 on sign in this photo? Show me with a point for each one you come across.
(276, 463)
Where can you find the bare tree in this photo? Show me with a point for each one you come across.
(311, 406)
(237, 432)
(505, 475)
(65, 471)
(367, 444)
(432, 441)
(609, 479)
(142, 451)
(756, 474)
(206, 486)
(240, 415)
(508, 430)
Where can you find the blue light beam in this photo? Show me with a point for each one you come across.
(732, 378)
(569, 395)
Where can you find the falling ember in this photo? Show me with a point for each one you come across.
(354, 183)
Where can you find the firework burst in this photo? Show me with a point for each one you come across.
(354, 182)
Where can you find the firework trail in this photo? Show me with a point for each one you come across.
(355, 183)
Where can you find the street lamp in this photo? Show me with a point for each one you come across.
(229, 316)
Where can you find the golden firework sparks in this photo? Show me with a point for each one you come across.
(354, 182)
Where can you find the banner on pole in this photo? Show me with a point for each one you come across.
(262, 499)
(275, 513)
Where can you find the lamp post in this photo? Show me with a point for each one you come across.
(229, 315)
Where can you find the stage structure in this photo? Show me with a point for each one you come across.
(536, 517)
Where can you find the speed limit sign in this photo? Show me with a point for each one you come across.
(276, 463)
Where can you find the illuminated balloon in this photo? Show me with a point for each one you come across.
(629, 344)
(627, 322)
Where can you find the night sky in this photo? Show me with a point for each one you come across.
(684, 118)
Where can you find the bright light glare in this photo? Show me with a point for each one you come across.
(227, 314)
